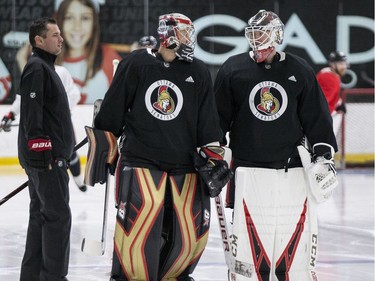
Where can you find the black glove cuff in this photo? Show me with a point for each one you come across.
(41, 161)
(323, 149)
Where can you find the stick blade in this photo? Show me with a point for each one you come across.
(92, 247)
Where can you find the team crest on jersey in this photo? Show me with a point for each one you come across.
(268, 101)
(164, 100)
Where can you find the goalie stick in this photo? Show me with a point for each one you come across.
(228, 240)
(95, 247)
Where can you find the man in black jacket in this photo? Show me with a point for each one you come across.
(45, 143)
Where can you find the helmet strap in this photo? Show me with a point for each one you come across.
(261, 55)
(185, 52)
(172, 47)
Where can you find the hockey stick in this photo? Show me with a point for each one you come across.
(233, 265)
(14, 192)
(26, 183)
(225, 236)
(115, 63)
(11, 125)
(94, 247)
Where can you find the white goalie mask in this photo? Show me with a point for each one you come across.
(264, 33)
(176, 31)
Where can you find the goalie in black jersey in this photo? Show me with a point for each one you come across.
(268, 101)
(161, 102)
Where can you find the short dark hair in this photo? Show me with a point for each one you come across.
(39, 27)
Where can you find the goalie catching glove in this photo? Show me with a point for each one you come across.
(212, 168)
(102, 155)
(321, 174)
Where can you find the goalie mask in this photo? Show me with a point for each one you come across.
(264, 33)
(176, 32)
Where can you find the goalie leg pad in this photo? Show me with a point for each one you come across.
(150, 200)
(102, 154)
(139, 223)
(272, 225)
(190, 221)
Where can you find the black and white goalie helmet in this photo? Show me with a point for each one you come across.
(264, 33)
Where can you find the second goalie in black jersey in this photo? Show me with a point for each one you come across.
(161, 102)
(268, 101)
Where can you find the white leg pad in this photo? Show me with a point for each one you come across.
(274, 230)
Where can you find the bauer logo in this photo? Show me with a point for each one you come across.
(268, 101)
(38, 145)
(164, 100)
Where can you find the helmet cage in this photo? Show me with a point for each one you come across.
(176, 29)
(265, 30)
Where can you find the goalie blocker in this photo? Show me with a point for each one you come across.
(102, 153)
(212, 168)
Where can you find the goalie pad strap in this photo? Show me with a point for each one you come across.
(102, 153)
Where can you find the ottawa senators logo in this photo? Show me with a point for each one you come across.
(164, 100)
(268, 101)
(164, 104)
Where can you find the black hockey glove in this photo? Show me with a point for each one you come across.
(40, 157)
(6, 121)
(212, 168)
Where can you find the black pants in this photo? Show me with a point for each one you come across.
(47, 248)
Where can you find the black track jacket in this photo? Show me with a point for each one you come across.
(44, 108)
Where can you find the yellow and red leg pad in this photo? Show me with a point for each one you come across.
(162, 225)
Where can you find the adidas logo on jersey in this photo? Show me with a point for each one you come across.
(189, 79)
(292, 78)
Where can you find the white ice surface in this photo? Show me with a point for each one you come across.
(346, 249)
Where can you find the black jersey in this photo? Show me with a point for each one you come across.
(165, 110)
(269, 108)
(44, 108)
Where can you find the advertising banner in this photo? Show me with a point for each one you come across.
(97, 31)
